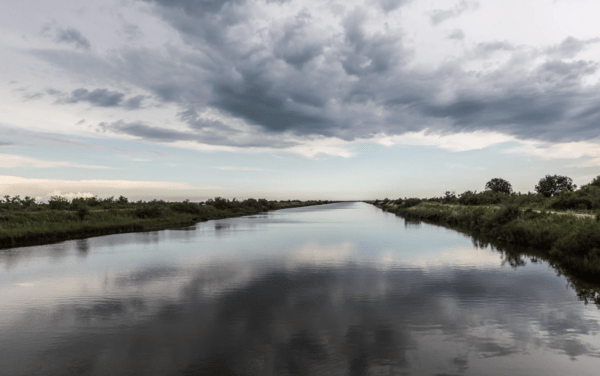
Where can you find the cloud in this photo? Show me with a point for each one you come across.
(570, 47)
(391, 5)
(46, 187)
(274, 75)
(205, 132)
(18, 161)
(440, 15)
(72, 36)
(134, 102)
(67, 36)
(97, 97)
(62, 141)
(71, 195)
(456, 34)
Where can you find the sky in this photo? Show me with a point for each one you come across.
(295, 99)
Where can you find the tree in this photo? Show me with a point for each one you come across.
(499, 185)
(551, 185)
(58, 203)
(595, 182)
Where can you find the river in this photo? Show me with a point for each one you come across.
(338, 289)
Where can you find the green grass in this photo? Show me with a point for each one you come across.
(38, 224)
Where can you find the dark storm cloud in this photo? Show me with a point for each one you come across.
(367, 54)
(295, 46)
(97, 97)
(256, 100)
(72, 36)
(300, 78)
(205, 132)
(146, 131)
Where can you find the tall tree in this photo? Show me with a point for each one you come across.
(551, 185)
(499, 185)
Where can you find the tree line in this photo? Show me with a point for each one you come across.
(552, 192)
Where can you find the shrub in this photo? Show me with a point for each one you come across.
(581, 241)
(506, 214)
(186, 207)
(82, 212)
(149, 211)
(58, 203)
(410, 202)
(570, 200)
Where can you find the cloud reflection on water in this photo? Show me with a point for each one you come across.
(313, 304)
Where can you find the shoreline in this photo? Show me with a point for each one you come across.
(570, 242)
(23, 228)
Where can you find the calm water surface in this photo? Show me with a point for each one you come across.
(340, 289)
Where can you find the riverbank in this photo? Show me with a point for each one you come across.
(38, 224)
(573, 242)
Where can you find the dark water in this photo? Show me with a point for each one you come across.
(341, 289)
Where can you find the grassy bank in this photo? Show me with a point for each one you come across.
(25, 222)
(573, 242)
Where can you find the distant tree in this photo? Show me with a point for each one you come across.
(27, 202)
(595, 182)
(499, 185)
(551, 185)
(58, 203)
(122, 200)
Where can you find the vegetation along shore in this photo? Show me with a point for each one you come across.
(27, 222)
(558, 220)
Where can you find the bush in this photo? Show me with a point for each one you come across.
(505, 214)
(186, 207)
(410, 202)
(149, 211)
(570, 200)
(482, 198)
(583, 240)
(82, 212)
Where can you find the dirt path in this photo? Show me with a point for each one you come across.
(579, 215)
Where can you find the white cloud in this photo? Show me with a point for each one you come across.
(48, 187)
(453, 142)
(71, 195)
(565, 150)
